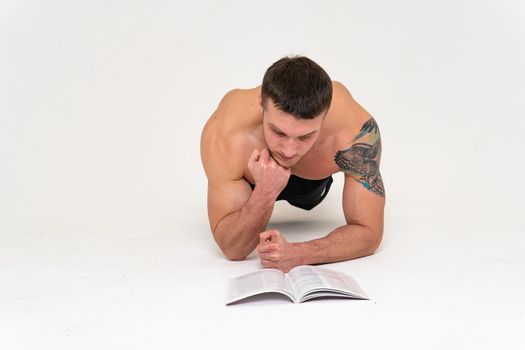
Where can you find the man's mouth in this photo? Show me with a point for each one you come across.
(285, 158)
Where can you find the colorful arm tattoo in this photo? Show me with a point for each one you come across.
(361, 160)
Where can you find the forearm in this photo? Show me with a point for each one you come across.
(237, 234)
(344, 243)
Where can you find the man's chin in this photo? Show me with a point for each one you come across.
(285, 163)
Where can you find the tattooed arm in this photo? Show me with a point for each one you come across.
(363, 203)
(361, 160)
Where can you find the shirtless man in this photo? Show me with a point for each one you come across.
(284, 140)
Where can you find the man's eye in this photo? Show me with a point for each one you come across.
(304, 138)
(280, 134)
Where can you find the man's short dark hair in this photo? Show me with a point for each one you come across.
(298, 86)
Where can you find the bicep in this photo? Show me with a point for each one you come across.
(364, 193)
(227, 189)
(362, 158)
(226, 197)
(361, 206)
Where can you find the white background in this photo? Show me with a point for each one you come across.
(104, 239)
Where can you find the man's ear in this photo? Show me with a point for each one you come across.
(260, 101)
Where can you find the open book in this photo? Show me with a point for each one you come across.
(300, 284)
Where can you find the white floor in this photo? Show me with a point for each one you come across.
(104, 240)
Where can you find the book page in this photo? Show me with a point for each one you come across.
(267, 280)
(305, 279)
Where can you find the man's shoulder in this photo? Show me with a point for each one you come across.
(237, 114)
(222, 153)
(230, 135)
(236, 100)
(341, 94)
(236, 109)
(348, 116)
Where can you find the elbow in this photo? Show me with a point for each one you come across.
(231, 252)
(373, 248)
(233, 255)
(375, 241)
(228, 246)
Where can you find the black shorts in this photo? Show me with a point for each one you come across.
(303, 193)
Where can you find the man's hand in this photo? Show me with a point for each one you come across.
(275, 252)
(270, 178)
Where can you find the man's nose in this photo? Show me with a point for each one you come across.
(289, 148)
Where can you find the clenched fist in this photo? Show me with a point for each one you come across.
(270, 178)
(275, 252)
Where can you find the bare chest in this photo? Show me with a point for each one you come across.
(316, 164)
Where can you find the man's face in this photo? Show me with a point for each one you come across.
(287, 137)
